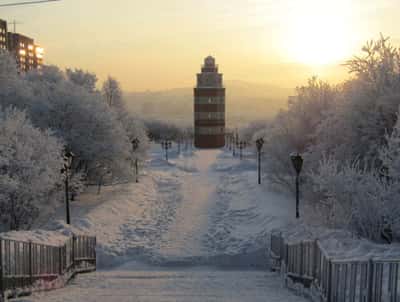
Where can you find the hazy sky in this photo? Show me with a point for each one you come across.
(158, 44)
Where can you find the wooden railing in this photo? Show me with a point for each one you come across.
(336, 280)
(28, 266)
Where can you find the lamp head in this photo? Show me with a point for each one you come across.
(297, 162)
(259, 144)
(135, 143)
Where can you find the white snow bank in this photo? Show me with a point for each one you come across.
(38, 236)
(340, 244)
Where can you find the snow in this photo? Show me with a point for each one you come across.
(200, 208)
(340, 244)
(195, 228)
(38, 236)
(173, 286)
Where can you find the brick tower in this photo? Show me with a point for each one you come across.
(209, 107)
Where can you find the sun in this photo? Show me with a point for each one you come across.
(319, 33)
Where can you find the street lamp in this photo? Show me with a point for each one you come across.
(135, 145)
(68, 158)
(241, 145)
(259, 144)
(166, 145)
(230, 139)
(297, 162)
(235, 142)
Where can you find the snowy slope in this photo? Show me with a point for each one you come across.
(197, 209)
(166, 238)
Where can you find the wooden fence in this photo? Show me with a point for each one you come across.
(336, 280)
(26, 266)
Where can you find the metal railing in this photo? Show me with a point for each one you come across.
(28, 266)
(336, 280)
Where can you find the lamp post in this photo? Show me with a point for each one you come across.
(68, 157)
(135, 145)
(297, 162)
(166, 145)
(241, 145)
(228, 140)
(259, 144)
(235, 141)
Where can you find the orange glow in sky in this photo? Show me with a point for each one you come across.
(159, 44)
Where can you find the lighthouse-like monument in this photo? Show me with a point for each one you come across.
(209, 107)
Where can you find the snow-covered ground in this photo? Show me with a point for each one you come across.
(193, 229)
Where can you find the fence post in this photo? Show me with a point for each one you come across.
(315, 259)
(60, 262)
(30, 262)
(329, 281)
(370, 280)
(2, 297)
(94, 252)
(73, 251)
(301, 272)
(286, 257)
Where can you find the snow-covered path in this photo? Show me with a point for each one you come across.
(184, 285)
(184, 239)
(194, 229)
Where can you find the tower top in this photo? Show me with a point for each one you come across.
(209, 76)
(209, 61)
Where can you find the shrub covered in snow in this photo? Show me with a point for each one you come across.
(30, 162)
(356, 197)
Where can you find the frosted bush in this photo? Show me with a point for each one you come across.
(30, 163)
(355, 198)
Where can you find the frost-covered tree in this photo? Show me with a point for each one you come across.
(82, 78)
(136, 130)
(13, 90)
(87, 125)
(372, 97)
(247, 133)
(30, 162)
(293, 130)
(390, 154)
(378, 67)
(112, 93)
(160, 130)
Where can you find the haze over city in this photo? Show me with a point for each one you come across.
(157, 45)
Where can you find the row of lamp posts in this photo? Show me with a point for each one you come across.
(235, 144)
(166, 145)
(296, 159)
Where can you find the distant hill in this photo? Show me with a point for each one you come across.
(245, 102)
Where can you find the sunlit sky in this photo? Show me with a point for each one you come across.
(160, 44)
